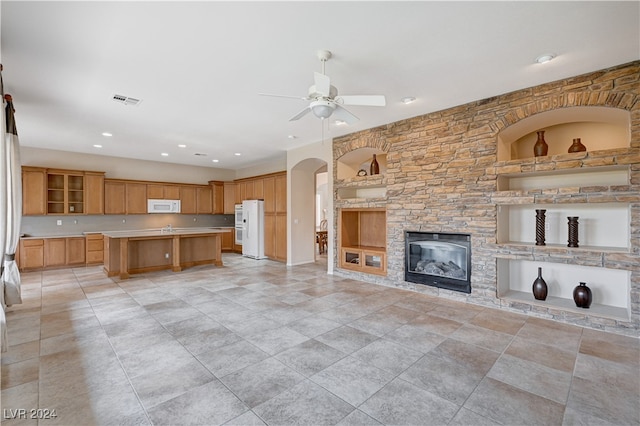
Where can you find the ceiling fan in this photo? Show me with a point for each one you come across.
(325, 100)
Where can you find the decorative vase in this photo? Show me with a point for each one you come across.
(577, 146)
(540, 218)
(573, 231)
(539, 287)
(375, 168)
(540, 148)
(582, 296)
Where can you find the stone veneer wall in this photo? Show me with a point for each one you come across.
(442, 174)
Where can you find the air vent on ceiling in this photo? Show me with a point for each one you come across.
(126, 100)
(200, 154)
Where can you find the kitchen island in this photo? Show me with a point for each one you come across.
(134, 252)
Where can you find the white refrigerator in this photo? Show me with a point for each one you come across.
(253, 229)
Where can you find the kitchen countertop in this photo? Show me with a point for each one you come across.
(160, 232)
(144, 232)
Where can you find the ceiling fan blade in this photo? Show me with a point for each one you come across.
(341, 113)
(323, 84)
(365, 100)
(301, 114)
(304, 98)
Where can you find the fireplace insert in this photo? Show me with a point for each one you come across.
(438, 259)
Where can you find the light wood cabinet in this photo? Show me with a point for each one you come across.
(65, 192)
(155, 191)
(94, 182)
(258, 189)
(75, 251)
(33, 191)
(362, 240)
(204, 200)
(228, 239)
(270, 235)
(217, 189)
(241, 190)
(94, 249)
(281, 193)
(31, 254)
(55, 252)
(229, 198)
(188, 200)
(269, 194)
(114, 197)
(162, 191)
(136, 198)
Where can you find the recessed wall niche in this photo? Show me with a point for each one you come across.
(599, 128)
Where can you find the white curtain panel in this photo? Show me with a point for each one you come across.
(3, 220)
(10, 214)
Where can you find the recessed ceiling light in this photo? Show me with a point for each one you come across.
(97, 146)
(164, 154)
(182, 145)
(107, 134)
(340, 122)
(215, 161)
(545, 58)
(238, 154)
(407, 100)
(292, 137)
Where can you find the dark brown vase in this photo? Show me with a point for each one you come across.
(577, 146)
(375, 168)
(582, 296)
(541, 148)
(540, 287)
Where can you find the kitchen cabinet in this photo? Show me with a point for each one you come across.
(188, 200)
(94, 202)
(228, 239)
(162, 191)
(33, 191)
(65, 192)
(136, 198)
(31, 254)
(269, 194)
(274, 193)
(55, 252)
(229, 197)
(94, 249)
(281, 193)
(114, 197)
(75, 251)
(218, 197)
(204, 199)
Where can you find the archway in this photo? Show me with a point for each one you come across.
(302, 221)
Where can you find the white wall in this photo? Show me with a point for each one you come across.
(265, 168)
(123, 168)
(305, 161)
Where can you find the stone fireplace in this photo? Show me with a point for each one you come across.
(437, 259)
(471, 169)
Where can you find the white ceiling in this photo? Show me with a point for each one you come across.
(198, 67)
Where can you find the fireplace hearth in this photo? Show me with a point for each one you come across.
(438, 259)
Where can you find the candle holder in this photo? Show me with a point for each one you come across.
(573, 231)
(540, 232)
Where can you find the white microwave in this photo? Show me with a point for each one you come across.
(163, 206)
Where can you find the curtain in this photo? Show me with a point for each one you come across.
(10, 212)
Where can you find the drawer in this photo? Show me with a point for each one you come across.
(33, 243)
(95, 256)
(95, 245)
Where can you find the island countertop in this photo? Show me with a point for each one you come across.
(135, 251)
(133, 233)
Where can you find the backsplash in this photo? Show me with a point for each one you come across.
(45, 226)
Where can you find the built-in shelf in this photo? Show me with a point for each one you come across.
(359, 159)
(602, 226)
(362, 192)
(604, 177)
(610, 287)
(599, 128)
(568, 305)
(362, 240)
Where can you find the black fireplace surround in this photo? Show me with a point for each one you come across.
(438, 259)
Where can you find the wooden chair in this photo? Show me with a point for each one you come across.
(321, 236)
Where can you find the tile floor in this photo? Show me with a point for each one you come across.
(255, 342)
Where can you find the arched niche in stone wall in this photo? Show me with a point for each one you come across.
(599, 128)
(360, 159)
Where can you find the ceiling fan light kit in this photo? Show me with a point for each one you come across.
(325, 100)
